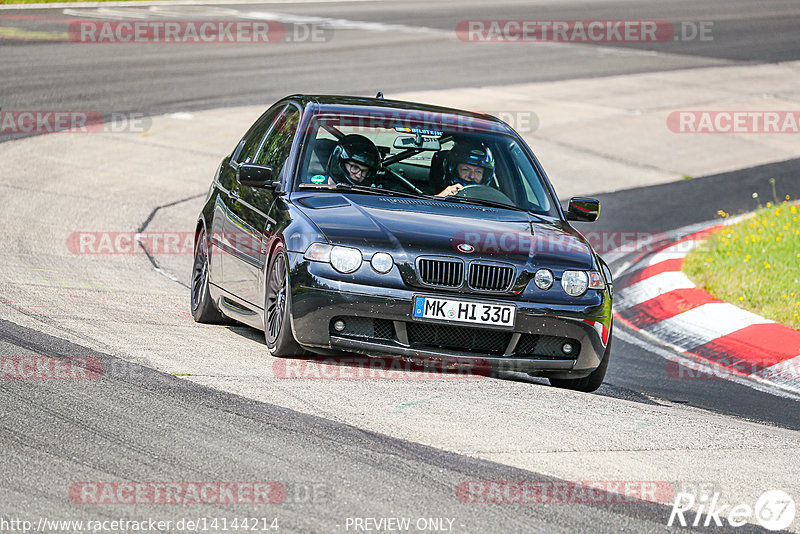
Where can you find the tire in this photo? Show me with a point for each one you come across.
(589, 383)
(203, 308)
(277, 308)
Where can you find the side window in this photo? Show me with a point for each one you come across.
(536, 195)
(276, 147)
(252, 139)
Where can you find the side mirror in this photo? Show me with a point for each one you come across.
(256, 176)
(583, 209)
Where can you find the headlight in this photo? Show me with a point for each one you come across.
(596, 281)
(575, 282)
(382, 262)
(319, 252)
(345, 259)
(543, 279)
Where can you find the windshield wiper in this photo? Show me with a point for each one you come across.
(361, 189)
(492, 204)
(482, 202)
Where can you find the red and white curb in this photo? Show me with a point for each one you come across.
(720, 340)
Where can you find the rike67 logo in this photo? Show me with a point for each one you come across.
(774, 510)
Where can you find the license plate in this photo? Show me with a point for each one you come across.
(462, 311)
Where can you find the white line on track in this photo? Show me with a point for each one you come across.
(786, 373)
(657, 347)
(151, 12)
(344, 24)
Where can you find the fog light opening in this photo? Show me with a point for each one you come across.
(567, 348)
(339, 325)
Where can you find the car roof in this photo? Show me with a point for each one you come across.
(358, 104)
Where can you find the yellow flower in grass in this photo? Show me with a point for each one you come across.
(766, 266)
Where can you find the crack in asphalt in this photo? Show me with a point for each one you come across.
(144, 226)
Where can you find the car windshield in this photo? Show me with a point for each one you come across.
(453, 164)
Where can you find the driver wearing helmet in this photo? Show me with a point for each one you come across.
(355, 160)
(468, 163)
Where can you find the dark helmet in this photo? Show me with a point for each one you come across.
(472, 153)
(356, 148)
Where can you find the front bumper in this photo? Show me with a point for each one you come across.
(385, 326)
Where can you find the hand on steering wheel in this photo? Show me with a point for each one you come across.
(450, 190)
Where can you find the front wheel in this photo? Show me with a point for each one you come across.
(589, 383)
(277, 308)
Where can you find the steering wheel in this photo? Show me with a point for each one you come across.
(484, 192)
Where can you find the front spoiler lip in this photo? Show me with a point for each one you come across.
(318, 299)
(369, 348)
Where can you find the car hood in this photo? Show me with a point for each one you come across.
(408, 227)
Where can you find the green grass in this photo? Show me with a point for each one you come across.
(754, 264)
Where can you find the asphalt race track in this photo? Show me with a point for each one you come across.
(175, 401)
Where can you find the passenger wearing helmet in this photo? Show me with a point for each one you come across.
(355, 160)
(468, 163)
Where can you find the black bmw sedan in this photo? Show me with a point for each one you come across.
(395, 229)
